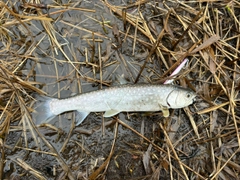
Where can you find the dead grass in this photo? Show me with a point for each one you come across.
(207, 32)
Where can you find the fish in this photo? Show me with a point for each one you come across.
(113, 100)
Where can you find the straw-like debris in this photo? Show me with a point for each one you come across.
(60, 50)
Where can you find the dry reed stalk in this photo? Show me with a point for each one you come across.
(205, 31)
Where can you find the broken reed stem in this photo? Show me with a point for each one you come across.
(215, 60)
(156, 146)
(174, 152)
(96, 173)
(189, 26)
(154, 47)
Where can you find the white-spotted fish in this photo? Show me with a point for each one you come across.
(113, 100)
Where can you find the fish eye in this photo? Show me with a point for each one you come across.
(188, 95)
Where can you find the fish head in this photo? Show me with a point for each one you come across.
(180, 97)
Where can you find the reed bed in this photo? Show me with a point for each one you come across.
(60, 49)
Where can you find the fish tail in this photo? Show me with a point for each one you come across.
(42, 113)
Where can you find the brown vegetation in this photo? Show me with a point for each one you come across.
(59, 49)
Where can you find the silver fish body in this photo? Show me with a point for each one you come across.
(116, 99)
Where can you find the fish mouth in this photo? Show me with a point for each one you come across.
(197, 99)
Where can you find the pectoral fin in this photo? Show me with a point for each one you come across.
(165, 111)
(80, 117)
(110, 113)
(119, 80)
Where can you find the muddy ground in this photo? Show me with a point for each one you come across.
(64, 48)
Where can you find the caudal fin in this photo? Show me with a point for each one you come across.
(42, 113)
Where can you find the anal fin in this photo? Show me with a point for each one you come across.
(81, 115)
